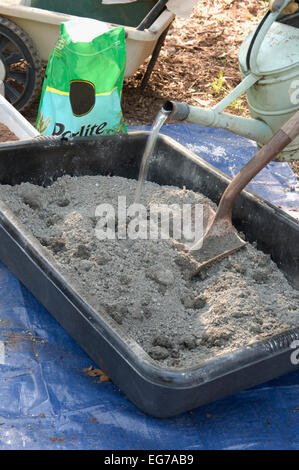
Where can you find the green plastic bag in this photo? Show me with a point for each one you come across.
(82, 88)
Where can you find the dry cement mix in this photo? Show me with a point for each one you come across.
(144, 285)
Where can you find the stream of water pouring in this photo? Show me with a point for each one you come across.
(149, 150)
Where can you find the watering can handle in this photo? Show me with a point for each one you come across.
(277, 7)
(288, 132)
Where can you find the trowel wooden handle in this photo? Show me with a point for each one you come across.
(291, 127)
(265, 155)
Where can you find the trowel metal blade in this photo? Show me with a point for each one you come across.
(219, 240)
(216, 247)
(207, 215)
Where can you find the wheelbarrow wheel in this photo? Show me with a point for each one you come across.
(20, 65)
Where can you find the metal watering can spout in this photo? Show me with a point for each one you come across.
(267, 90)
(253, 129)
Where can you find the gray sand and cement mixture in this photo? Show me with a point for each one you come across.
(143, 285)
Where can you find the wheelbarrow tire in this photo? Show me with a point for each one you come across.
(21, 94)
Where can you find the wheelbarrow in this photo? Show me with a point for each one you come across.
(28, 32)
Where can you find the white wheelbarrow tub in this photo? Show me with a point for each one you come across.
(43, 27)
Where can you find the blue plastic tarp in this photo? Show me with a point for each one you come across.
(276, 183)
(48, 402)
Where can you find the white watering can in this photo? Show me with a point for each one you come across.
(269, 62)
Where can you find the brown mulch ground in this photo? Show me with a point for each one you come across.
(198, 63)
